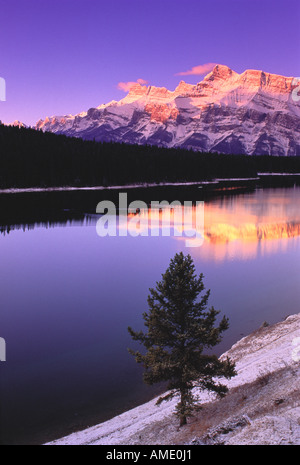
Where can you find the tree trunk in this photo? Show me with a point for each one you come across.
(182, 407)
(182, 420)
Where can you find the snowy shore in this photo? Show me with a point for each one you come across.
(125, 186)
(259, 176)
(262, 406)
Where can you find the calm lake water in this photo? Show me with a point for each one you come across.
(68, 296)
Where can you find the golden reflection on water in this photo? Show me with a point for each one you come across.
(245, 226)
(251, 225)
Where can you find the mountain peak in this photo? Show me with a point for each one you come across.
(220, 72)
(137, 89)
(184, 88)
(18, 124)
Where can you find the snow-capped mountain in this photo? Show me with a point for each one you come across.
(252, 113)
(18, 124)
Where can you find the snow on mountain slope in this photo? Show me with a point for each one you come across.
(227, 112)
(18, 124)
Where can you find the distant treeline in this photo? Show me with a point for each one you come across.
(30, 158)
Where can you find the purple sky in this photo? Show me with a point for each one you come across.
(65, 56)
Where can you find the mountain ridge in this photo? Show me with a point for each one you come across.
(250, 113)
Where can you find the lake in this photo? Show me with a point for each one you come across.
(68, 295)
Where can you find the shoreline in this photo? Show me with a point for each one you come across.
(263, 353)
(126, 186)
(145, 185)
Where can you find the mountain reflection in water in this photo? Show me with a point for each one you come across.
(241, 226)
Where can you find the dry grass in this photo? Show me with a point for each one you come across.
(254, 399)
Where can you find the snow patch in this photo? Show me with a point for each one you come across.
(263, 352)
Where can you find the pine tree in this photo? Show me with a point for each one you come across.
(178, 330)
